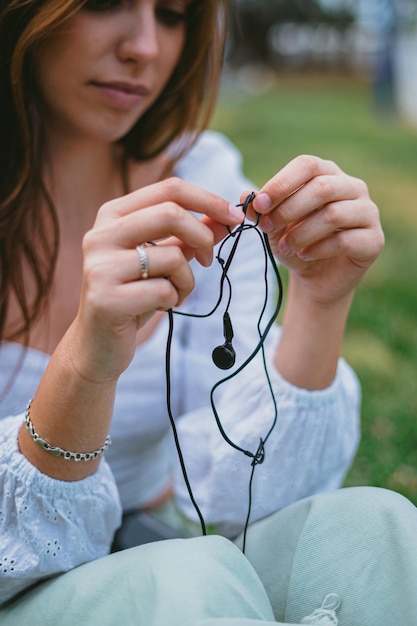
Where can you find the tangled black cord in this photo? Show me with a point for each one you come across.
(259, 455)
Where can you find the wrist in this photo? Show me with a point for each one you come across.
(71, 413)
(311, 340)
(93, 358)
(329, 304)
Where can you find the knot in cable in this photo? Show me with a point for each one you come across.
(259, 455)
(326, 614)
(249, 199)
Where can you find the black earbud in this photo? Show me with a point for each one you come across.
(224, 356)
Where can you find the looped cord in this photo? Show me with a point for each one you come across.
(326, 614)
(259, 456)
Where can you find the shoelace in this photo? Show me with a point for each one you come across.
(326, 614)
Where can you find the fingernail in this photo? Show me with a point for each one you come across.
(304, 256)
(262, 202)
(284, 247)
(236, 213)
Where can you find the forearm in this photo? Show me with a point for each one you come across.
(68, 411)
(311, 340)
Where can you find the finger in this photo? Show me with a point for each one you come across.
(289, 179)
(161, 262)
(219, 232)
(184, 194)
(155, 224)
(165, 262)
(331, 218)
(361, 245)
(143, 296)
(319, 192)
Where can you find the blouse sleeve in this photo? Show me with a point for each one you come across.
(49, 526)
(316, 432)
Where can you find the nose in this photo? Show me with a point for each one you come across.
(139, 40)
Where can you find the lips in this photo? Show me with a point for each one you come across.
(122, 95)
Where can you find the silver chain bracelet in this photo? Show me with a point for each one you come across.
(55, 450)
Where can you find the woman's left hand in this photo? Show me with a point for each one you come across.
(322, 226)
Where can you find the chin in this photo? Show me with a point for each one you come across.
(110, 134)
(110, 128)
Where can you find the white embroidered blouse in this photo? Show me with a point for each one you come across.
(49, 526)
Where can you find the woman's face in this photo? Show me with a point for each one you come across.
(108, 65)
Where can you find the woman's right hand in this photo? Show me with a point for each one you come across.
(73, 405)
(115, 300)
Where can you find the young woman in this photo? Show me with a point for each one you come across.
(113, 203)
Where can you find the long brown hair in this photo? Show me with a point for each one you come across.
(29, 231)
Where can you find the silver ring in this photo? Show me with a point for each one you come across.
(144, 261)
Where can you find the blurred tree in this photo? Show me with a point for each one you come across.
(386, 31)
(251, 21)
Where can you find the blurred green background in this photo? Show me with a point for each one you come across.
(334, 117)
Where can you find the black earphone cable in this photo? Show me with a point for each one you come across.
(172, 421)
(259, 456)
(259, 346)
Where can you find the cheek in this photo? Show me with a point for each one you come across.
(45, 72)
(173, 53)
(66, 52)
(53, 88)
(180, 46)
(55, 63)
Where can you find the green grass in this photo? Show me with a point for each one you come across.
(334, 118)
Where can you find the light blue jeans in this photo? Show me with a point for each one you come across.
(346, 558)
